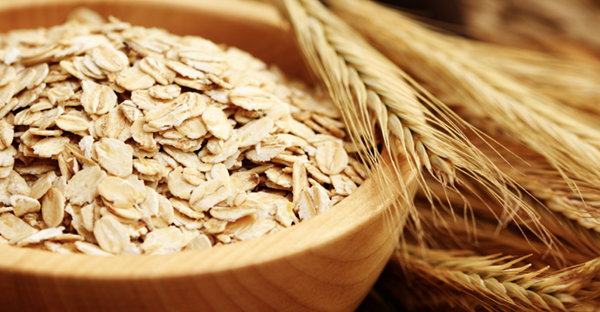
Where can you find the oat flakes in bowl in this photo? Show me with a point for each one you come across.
(119, 139)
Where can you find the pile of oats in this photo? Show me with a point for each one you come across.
(117, 139)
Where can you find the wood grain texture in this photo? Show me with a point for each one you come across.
(328, 263)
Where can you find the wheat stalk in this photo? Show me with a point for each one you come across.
(537, 121)
(369, 89)
(496, 283)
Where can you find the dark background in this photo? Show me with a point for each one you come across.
(447, 11)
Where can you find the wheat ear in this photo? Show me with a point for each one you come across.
(369, 89)
(484, 93)
(568, 215)
(497, 283)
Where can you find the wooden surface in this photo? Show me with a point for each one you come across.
(328, 263)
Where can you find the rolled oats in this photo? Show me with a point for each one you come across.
(231, 214)
(158, 70)
(166, 240)
(91, 249)
(97, 99)
(109, 59)
(331, 157)
(88, 216)
(120, 193)
(167, 92)
(83, 187)
(166, 116)
(178, 186)
(112, 236)
(257, 229)
(343, 185)
(72, 123)
(13, 228)
(24, 204)
(199, 242)
(115, 157)
(7, 74)
(125, 140)
(216, 122)
(7, 132)
(184, 208)
(208, 194)
(45, 234)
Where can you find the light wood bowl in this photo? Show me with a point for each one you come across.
(328, 263)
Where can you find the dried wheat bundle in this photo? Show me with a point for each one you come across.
(383, 106)
(498, 283)
(572, 147)
(369, 90)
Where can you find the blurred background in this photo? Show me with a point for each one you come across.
(562, 26)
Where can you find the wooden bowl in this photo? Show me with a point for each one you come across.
(328, 263)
